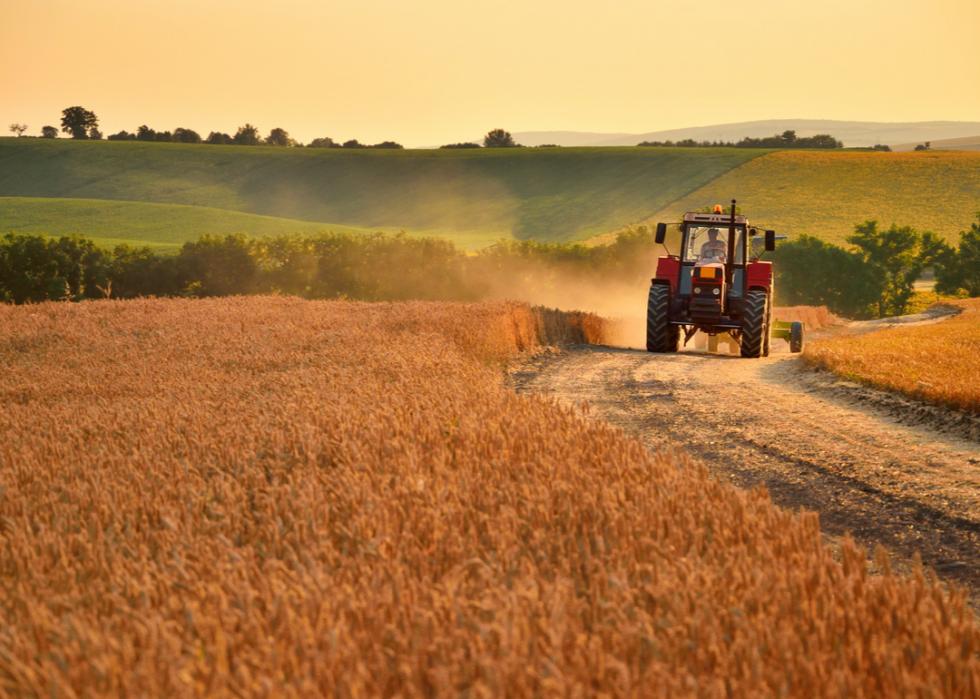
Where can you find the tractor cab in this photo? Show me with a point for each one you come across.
(716, 285)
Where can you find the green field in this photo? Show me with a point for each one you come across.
(472, 196)
(824, 194)
(156, 225)
(166, 193)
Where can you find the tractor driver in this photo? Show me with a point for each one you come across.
(713, 250)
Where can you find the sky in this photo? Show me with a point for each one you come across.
(429, 72)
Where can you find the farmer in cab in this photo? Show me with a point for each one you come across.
(713, 250)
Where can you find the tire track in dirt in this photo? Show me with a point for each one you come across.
(908, 488)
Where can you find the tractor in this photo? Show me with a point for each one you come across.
(716, 285)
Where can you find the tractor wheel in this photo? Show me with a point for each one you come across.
(767, 333)
(754, 327)
(796, 337)
(661, 335)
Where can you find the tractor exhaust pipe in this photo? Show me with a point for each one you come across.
(730, 262)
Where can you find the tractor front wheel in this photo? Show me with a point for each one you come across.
(661, 335)
(754, 326)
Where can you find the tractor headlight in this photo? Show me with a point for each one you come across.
(697, 290)
(716, 291)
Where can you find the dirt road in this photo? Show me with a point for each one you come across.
(772, 422)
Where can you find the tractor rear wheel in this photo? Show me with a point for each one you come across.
(661, 335)
(754, 326)
(767, 335)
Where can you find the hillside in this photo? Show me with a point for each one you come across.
(468, 195)
(852, 133)
(965, 143)
(825, 194)
(158, 225)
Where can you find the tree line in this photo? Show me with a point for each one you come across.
(787, 139)
(83, 124)
(875, 278)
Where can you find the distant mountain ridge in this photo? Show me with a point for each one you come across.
(852, 133)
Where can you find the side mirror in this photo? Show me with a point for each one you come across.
(661, 233)
(770, 240)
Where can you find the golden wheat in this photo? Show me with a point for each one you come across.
(938, 362)
(267, 496)
(814, 317)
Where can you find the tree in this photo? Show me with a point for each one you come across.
(247, 135)
(77, 121)
(387, 144)
(164, 136)
(182, 135)
(821, 140)
(49, 132)
(461, 145)
(812, 272)
(279, 137)
(325, 142)
(789, 136)
(18, 129)
(121, 136)
(896, 257)
(145, 133)
(219, 139)
(924, 146)
(95, 134)
(498, 138)
(34, 268)
(960, 270)
(353, 143)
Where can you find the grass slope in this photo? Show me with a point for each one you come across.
(554, 194)
(825, 194)
(158, 225)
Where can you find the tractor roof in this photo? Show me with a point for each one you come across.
(719, 219)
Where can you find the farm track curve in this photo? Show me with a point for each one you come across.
(908, 487)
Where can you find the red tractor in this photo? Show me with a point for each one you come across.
(717, 285)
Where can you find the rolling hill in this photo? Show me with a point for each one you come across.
(471, 196)
(852, 133)
(163, 194)
(825, 194)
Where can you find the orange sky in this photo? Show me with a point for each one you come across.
(428, 72)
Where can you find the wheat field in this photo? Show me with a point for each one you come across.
(273, 497)
(937, 362)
